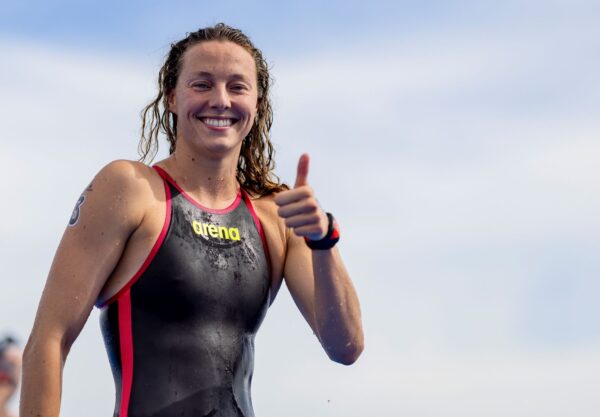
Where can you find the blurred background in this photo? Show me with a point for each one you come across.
(458, 144)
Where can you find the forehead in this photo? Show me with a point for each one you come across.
(218, 57)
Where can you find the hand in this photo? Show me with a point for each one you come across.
(299, 207)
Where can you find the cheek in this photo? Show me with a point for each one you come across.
(248, 111)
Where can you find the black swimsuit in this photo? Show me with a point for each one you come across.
(180, 334)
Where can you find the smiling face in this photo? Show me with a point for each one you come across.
(215, 98)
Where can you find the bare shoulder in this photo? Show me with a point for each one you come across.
(266, 205)
(131, 175)
(266, 209)
(124, 188)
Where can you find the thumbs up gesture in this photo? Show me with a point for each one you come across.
(299, 207)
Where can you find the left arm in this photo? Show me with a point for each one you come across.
(317, 279)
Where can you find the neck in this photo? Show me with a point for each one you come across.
(211, 180)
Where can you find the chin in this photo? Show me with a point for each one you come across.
(219, 147)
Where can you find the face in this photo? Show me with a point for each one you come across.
(215, 98)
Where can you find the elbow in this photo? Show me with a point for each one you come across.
(29, 352)
(349, 354)
(28, 358)
(41, 345)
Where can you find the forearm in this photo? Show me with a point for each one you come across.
(43, 362)
(337, 309)
(330, 303)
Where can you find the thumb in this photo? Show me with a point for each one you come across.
(302, 174)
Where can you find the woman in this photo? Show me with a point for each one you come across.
(184, 257)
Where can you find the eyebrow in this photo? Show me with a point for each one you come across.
(211, 75)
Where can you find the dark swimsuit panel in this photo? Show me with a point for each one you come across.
(180, 334)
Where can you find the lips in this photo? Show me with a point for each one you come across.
(217, 121)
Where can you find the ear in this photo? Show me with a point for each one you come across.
(171, 102)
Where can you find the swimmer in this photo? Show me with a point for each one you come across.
(184, 257)
(10, 373)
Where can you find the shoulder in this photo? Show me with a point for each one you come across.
(266, 209)
(127, 173)
(274, 226)
(124, 185)
(128, 179)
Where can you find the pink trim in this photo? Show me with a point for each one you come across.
(227, 209)
(153, 251)
(259, 227)
(126, 345)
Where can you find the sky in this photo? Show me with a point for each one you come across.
(457, 143)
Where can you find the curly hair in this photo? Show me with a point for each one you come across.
(255, 165)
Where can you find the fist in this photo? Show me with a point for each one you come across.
(299, 207)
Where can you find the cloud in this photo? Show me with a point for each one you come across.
(462, 181)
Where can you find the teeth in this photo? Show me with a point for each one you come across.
(217, 122)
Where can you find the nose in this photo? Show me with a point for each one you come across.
(219, 99)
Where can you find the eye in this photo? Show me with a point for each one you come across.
(200, 85)
(237, 87)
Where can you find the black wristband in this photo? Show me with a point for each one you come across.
(331, 238)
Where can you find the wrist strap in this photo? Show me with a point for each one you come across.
(331, 238)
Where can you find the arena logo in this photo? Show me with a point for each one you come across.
(218, 232)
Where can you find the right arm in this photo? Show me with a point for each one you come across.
(88, 253)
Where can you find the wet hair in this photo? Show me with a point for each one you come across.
(255, 165)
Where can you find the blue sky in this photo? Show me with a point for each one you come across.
(458, 144)
(138, 24)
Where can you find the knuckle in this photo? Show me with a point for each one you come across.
(307, 209)
(306, 191)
